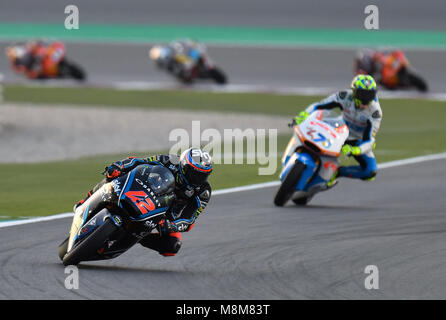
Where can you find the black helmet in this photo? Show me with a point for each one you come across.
(195, 166)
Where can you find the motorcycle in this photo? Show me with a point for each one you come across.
(43, 61)
(311, 157)
(390, 68)
(119, 215)
(186, 62)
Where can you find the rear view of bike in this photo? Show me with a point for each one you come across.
(68, 69)
(187, 61)
(311, 157)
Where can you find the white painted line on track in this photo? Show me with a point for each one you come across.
(34, 220)
(281, 90)
(231, 88)
(403, 162)
(246, 188)
(385, 165)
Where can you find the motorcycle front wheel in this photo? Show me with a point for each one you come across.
(288, 185)
(63, 248)
(90, 245)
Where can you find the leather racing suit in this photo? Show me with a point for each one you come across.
(363, 125)
(181, 215)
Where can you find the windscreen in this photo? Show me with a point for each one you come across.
(333, 118)
(157, 177)
(160, 180)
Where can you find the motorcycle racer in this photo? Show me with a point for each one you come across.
(362, 113)
(187, 60)
(191, 171)
(29, 62)
(43, 60)
(186, 53)
(390, 68)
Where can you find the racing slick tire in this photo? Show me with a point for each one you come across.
(286, 189)
(88, 247)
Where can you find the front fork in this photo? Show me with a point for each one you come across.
(317, 171)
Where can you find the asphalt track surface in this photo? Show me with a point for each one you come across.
(245, 248)
(396, 14)
(273, 68)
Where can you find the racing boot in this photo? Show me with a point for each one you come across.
(333, 181)
(83, 200)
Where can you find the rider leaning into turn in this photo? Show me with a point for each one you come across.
(191, 171)
(32, 59)
(362, 113)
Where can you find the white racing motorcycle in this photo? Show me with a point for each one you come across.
(311, 157)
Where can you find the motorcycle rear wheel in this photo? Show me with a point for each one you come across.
(71, 70)
(93, 242)
(217, 75)
(286, 189)
(418, 82)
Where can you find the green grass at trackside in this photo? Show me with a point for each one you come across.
(171, 99)
(53, 187)
(409, 128)
(232, 35)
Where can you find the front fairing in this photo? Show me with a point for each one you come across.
(105, 195)
(316, 143)
(326, 132)
(138, 196)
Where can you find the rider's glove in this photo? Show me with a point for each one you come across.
(301, 117)
(112, 171)
(349, 150)
(167, 226)
(152, 159)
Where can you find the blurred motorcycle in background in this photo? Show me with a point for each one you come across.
(390, 68)
(187, 60)
(43, 60)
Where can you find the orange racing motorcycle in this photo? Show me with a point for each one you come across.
(390, 68)
(42, 60)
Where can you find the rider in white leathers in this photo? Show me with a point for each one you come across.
(362, 113)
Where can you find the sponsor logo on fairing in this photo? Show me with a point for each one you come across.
(150, 224)
(116, 185)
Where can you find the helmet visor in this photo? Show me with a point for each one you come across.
(363, 95)
(195, 177)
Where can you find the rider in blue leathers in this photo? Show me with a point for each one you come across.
(192, 194)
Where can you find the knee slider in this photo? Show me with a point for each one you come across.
(370, 176)
(171, 246)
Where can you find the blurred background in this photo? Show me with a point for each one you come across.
(274, 59)
(276, 44)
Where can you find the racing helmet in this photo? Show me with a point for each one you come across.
(195, 166)
(363, 90)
